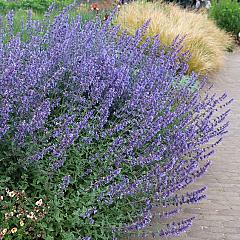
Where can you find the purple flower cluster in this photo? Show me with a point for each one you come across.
(65, 183)
(83, 85)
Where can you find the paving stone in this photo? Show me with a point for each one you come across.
(206, 234)
(231, 237)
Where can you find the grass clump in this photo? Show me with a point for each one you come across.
(205, 42)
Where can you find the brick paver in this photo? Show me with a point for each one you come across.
(218, 216)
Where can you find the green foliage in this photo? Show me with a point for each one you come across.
(60, 215)
(35, 5)
(226, 13)
(186, 81)
(21, 15)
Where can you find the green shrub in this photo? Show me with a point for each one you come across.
(35, 5)
(226, 13)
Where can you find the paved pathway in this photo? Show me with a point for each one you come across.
(218, 217)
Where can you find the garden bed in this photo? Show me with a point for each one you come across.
(94, 132)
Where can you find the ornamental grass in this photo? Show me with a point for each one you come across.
(94, 132)
(206, 43)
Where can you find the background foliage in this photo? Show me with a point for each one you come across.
(35, 5)
(226, 13)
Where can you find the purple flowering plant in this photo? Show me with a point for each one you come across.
(100, 123)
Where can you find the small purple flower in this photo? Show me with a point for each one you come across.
(65, 183)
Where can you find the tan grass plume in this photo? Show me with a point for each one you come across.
(206, 43)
